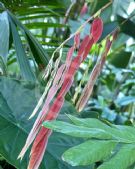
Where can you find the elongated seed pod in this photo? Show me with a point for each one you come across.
(96, 29)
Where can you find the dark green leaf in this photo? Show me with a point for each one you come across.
(21, 55)
(119, 58)
(127, 27)
(37, 50)
(17, 101)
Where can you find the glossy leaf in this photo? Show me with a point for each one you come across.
(14, 126)
(122, 159)
(89, 152)
(111, 151)
(77, 131)
(88, 122)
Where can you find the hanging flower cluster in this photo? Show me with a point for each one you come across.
(61, 84)
(82, 101)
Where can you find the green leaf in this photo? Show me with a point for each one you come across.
(4, 35)
(13, 119)
(122, 159)
(100, 148)
(77, 131)
(87, 130)
(120, 41)
(37, 50)
(108, 28)
(88, 122)
(89, 152)
(119, 58)
(21, 55)
(17, 101)
(119, 132)
(127, 27)
(39, 25)
(125, 100)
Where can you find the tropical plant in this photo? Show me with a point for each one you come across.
(38, 67)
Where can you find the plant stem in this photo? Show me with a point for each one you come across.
(81, 27)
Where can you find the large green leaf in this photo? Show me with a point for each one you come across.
(4, 35)
(93, 128)
(122, 133)
(116, 153)
(77, 131)
(89, 152)
(17, 101)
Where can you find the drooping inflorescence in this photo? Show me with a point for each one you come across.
(61, 84)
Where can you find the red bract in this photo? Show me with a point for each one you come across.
(38, 148)
(94, 74)
(88, 47)
(77, 40)
(41, 140)
(63, 81)
(84, 9)
(96, 29)
(83, 45)
(53, 90)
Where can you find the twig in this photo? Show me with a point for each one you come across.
(82, 26)
(69, 10)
